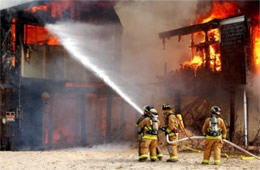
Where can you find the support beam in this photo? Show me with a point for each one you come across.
(232, 115)
(189, 29)
(109, 111)
(50, 127)
(122, 119)
(83, 139)
(245, 117)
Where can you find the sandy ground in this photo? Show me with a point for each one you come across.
(110, 157)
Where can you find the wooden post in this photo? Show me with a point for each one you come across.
(83, 140)
(44, 61)
(50, 127)
(245, 117)
(122, 119)
(109, 110)
(232, 115)
(207, 50)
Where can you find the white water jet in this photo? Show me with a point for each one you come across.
(72, 46)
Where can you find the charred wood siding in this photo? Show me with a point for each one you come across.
(233, 54)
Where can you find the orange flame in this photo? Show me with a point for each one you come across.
(55, 8)
(38, 35)
(256, 46)
(219, 10)
(195, 62)
(13, 30)
(39, 8)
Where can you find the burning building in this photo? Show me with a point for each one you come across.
(48, 100)
(225, 61)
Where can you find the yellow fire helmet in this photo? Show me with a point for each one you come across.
(154, 112)
(167, 109)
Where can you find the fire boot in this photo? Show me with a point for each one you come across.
(142, 159)
(159, 154)
(172, 160)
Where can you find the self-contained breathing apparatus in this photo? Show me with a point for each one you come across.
(213, 130)
(154, 121)
(213, 123)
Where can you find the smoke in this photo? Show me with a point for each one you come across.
(141, 46)
(143, 57)
(104, 147)
(253, 84)
(11, 3)
(253, 89)
(86, 50)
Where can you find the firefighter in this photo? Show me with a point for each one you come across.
(171, 129)
(215, 130)
(147, 109)
(150, 125)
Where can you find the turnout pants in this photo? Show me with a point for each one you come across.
(172, 148)
(212, 144)
(148, 145)
(158, 151)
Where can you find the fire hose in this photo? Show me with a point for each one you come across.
(203, 137)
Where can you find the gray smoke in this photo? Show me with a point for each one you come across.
(11, 3)
(142, 57)
(104, 147)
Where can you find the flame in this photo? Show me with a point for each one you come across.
(194, 63)
(213, 34)
(219, 10)
(56, 8)
(256, 46)
(13, 35)
(39, 8)
(215, 63)
(38, 35)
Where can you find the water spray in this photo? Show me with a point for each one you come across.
(70, 45)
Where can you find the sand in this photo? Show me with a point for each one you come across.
(114, 156)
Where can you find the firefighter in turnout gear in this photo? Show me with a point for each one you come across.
(215, 130)
(147, 109)
(150, 124)
(171, 129)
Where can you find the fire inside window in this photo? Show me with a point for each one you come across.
(39, 36)
(13, 39)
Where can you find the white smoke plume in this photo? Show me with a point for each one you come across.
(11, 3)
